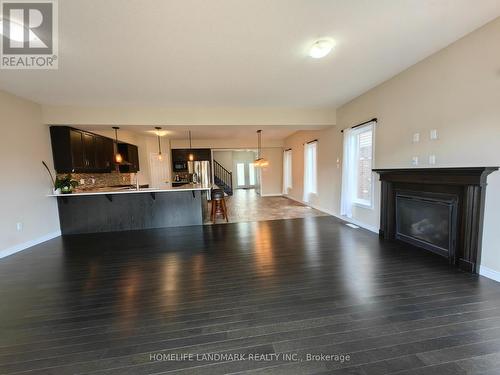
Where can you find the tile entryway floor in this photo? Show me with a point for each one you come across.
(246, 205)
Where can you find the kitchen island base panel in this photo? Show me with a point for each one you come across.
(122, 212)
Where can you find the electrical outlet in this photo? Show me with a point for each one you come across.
(19, 226)
(434, 134)
(432, 159)
(414, 160)
(416, 137)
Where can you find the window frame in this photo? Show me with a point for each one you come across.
(287, 171)
(238, 164)
(313, 191)
(355, 200)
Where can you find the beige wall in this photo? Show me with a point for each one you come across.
(25, 184)
(271, 177)
(329, 150)
(229, 143)
(187, 116)
(224, 158)
(457, 92)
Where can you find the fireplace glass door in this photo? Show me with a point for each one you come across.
(427, 222)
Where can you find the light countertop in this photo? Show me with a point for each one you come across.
(109, 190)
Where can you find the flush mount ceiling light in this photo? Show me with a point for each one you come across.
(118, 156)
(321, 48)
(158, 134)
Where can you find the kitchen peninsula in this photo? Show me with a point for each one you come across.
(121, 209)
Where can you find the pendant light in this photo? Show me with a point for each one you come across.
(260, 162)
(160, 156)
(191, 155)
(118, 156)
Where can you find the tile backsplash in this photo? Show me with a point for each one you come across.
(101, 179)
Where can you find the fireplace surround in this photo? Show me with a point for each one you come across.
(436, 209)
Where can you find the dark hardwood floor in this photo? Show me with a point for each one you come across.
(108, 303)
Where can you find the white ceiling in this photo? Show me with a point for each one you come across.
(269, 132)
(239, 53)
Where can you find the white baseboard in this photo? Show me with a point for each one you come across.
(358, 223)
(489, 273)
(271, 195)
(329, 212)
(23, 246)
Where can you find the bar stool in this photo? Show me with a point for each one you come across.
(218, 205)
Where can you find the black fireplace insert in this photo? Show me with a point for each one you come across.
(428, 221)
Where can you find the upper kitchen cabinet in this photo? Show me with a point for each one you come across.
(104, 153)
(130, 155)
(182, 154)
(77, 151)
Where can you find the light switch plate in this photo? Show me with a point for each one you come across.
(19, 227)
(414, 160)
(434, 134)
(416, 137)
(432, 159)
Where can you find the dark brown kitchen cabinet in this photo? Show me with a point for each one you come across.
(77, 161)
(130, 155)
(104, 153)
(89, 150)
(182, 154)
(77, 151)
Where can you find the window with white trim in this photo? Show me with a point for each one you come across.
(364, 163)
(310, 170)
(357, 175)
(287, 171)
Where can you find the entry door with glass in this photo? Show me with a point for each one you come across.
(245, 175)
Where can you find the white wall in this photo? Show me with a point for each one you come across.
(25, 184)
(329, 150)
(457, 92)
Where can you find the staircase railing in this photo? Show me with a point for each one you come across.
(223, 178)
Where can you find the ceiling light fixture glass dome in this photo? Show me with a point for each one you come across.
(321, 48)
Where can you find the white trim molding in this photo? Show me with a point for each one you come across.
(25, 245)
(271, 195)
(489, 273)
(329, 212)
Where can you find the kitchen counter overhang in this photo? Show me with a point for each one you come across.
(120, 210)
